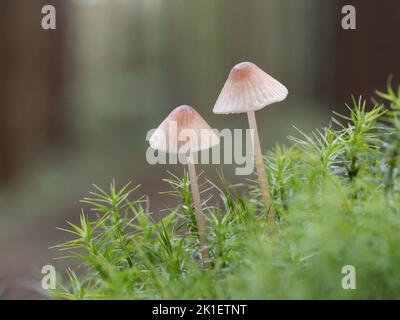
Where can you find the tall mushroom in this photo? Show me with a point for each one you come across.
(248, 89)
(185, 132)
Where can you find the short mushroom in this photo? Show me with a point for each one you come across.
(185, 132)
(248, 89)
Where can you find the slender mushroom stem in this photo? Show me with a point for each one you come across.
(201, 224)
(262, 177)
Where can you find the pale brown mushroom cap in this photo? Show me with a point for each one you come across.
(183, 130)
(248, 88)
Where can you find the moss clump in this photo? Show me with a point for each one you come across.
(336, 193)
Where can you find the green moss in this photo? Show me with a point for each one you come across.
(336, 195)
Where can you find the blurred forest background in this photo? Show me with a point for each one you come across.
(76, 102)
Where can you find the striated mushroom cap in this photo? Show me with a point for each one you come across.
(248, 88)
(183, 131)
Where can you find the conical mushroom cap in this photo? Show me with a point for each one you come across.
(248, 88)
(184, 130)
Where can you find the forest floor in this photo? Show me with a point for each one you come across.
(24, 253)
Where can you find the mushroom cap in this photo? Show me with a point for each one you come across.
(184, 130)
(248, 88)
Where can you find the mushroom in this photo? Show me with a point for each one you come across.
(185, 132)
(248, 89)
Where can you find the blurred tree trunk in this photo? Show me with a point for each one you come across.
(362, 63)
(31, 81)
